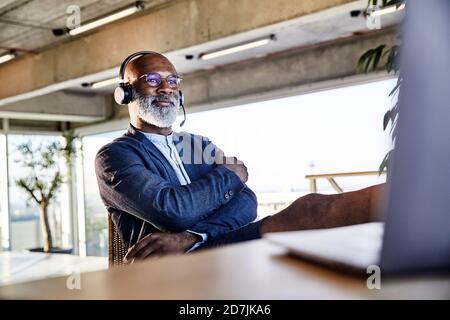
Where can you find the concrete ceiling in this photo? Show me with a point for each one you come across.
(318, 28)
(17, 18)
(326, 25)
(27, 24)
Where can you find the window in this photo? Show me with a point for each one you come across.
(280, 141)
(95, 211)
(283, 140)
(25, 232)
(4, 237)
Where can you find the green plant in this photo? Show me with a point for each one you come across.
(45, 175)
(388, 57)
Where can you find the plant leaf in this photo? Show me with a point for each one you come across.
(386, 119)
(385, 163)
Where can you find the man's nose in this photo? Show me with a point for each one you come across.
(164, 88)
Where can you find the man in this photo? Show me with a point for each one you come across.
(162, 201)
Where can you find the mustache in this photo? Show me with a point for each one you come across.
(165, 98)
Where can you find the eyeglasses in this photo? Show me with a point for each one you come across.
(155, 79)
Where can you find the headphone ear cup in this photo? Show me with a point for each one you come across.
(123, 94)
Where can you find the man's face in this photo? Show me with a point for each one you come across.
(157, 102)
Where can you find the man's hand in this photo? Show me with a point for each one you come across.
(237, 166)
(160, 244)
(232, 163)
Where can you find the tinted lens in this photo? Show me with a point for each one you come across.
(173, 81)
(153, 79)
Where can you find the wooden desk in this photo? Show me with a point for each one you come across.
(252, 270)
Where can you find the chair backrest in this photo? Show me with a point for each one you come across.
(116, 248)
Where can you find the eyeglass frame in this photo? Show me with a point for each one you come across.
(177, 77)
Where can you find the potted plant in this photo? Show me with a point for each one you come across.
(385, 57)
(45, 178)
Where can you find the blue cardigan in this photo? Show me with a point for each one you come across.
(137, 184)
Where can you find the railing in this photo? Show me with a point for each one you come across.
(330, 177)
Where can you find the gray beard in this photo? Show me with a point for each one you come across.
(151, 113)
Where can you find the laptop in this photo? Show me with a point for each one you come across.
(415, 234)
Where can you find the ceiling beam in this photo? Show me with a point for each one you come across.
(298, 71)
(60, 106)
(178, 25)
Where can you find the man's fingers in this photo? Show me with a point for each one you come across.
(227, 160)
(157, 253)
(151, 247)
(138, 246)
(129, 257)
(220, 156)
(157, 245)
(233, 160)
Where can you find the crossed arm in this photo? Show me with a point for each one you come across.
(201, 207)
(313, 211)
(126, 184)
(236, 213)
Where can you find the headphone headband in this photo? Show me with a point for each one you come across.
(128, 59)
(124, 93)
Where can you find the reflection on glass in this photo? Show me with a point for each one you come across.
(96, 215)
(25, 230)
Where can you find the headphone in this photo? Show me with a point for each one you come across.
(123, 94)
